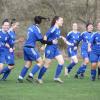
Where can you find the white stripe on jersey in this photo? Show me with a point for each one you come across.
(69, 33)
(53, 29)
(33, 51)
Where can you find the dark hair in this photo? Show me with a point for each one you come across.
(13, 21)
(5, 20)
(54, 20)
(88, 25)
(38, 19)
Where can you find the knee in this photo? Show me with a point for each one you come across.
(40, 63)
(76, 61)
(86, 62)
(11, 66)
(28, 64)
(61, 62)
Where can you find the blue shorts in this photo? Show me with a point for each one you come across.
(84, 53)
(2, 57)
(30, 54)
(71, 52)
(94, 58)
(51, 52)
(10, 59)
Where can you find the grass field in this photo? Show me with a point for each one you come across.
(71, 89)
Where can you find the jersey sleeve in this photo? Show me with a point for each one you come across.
(68, 36)
(50, 31)
(81, 36)
(38, 34)
(91, 40)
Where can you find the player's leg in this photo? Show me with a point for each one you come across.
(99, 69)
(2, 61)
(60, 60)
(43, 70)
(49, 55)
(82, 68)
(74, 61)
(94, 61)
(28, 57)
(73, 55)
(35, 69)
(10, 62)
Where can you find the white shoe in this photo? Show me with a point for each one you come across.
(58, 80)
(40, 81)
(66, 72)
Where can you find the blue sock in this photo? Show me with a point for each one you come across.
(58, 70)
(42, 72)
(35, 69)
(6, 75)
(71, 66)
(82, 69)
(93, 73)
(24, 71)
(4, 70)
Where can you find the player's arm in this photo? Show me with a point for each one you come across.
(67, 42)
(90, 42)
(21, 39)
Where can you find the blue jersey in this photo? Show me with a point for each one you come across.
(4, 38)
(12, 38)
(53, 33)
(73, 37)
(52, 51)
(95, 43)
(85, 38)
(33, 35)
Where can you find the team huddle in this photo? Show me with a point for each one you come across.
(89, 41)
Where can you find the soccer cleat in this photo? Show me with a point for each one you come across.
(66, 72)
(76, 76)
(3, 79)
(40, 81)
(29, 79)
(19, 80)
(58, 80)
(81, 76)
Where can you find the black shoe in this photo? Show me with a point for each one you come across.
(76, 76)
(29, 79)
(81, 76)
(3, 79)
(19, 80)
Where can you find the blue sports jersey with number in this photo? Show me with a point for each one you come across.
(33, 35)
(85, 38)
(52, 51)
(95, 41)
(4, 38)
(53, 33)
(73, 37)
(12, 38)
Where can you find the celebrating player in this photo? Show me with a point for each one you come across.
(85, 37)
(52, 51)
(94, 48)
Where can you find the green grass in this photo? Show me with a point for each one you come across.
(71, 89)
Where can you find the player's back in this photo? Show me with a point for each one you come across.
(33, 35)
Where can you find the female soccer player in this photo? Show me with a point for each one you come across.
(30, 51)
(94, 48)
(4, 37)
(52, 51)
(85, 38)
(10, 53)
(73, 38)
